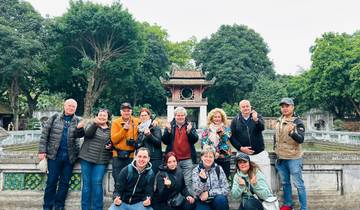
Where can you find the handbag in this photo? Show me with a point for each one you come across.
(250, 202)
(43, 166)
(177, 200)
(271, 203)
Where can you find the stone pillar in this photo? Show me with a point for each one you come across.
(170, 113)
(202, 117)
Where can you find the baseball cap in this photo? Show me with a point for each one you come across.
(242, 156)
(288, 101)
(125, 105)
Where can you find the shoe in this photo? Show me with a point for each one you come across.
(285, 207)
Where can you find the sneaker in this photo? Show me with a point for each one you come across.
(285, 207)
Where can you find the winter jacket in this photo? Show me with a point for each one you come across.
(214, 184)
(288, 145)
(51, 137)
(119, 135)
(249, 134)
(162, 193)
(168, 139)
(261, 189)
(93, 148)
(152, 142)
(138, 188)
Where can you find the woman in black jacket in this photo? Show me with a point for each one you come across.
(149, 136)
(95, 154)
(170, 190)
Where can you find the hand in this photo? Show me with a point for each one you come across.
(117, 201)
(80, 124)
(217, 155)
(168, 127)
(96, 121)
(154, 123)
(291, 127)
(147, 131)
(188, 128)
(247, 150)
(167, 181)
(204, 196)
(126, 126)
(220, 131)
(42, 156)
(147, 202)
(253, 180)
(241, 181)
(254, 115)
(190, 199)
(202, 174)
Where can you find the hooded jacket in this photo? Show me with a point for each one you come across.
(138, 188)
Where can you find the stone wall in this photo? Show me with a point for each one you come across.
(332, 181)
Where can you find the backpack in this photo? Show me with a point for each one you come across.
(130, 170)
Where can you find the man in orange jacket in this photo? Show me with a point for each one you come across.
(124, 134)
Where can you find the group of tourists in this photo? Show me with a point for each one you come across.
(146, 178)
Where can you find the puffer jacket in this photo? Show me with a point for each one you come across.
(213, 184)
(152, 142)
(138, 188)
(93, 148)
(119, 135)
(261, 189)
(163, 194)
(286, 145)
(51, 137)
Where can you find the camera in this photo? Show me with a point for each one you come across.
(108, 144)
(130, 142)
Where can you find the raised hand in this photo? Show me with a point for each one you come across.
(167, 181)
(241, 181)
(202, 174)
(117, 201)
(147, 202)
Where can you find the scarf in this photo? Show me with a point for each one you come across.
(213, 135)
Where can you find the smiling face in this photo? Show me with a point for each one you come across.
(180, 117)
(217, 118)
(171, 163)
(103, 117)
(208, 159)
(245, 108)
(243, 166)
(142, 159)
(287, 110)
(70, 106)
(144, 116)
(126, 113)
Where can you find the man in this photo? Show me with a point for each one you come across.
(135, 184)
(289, 135)
(180, 137)
(124, 134)
(59, 143)
(246, 137)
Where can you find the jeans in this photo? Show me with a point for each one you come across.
(125, 206)
(220, 202)
(292, 169)
(92, 185)
(187, 167)
(59, 169)
(117, 165)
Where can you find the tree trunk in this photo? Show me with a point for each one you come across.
(96, 84)
(14, 101)
(31, 102)
(356, 106)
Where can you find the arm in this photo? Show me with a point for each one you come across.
(164, 192)
(233, 140)
(223, 185)
(149, 189)
(155, 137)
(90, 130)
(117, 132)
(193, 136)
(261, 188)
(260, 124)
(45, 136)
(236, 189)
(166, 137)
(198, 185)
(205, 137)
(121, 183)
(298, 133)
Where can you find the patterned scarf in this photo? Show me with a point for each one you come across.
(213, 135)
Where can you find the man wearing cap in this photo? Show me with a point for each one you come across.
(289, 135)
(246, 137)
(124, 134)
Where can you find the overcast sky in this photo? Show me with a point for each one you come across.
(289, 27)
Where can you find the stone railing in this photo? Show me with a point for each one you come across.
(332, 181)
(21, 137)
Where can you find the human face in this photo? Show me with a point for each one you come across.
(103, 117)
(208, 159)
(217, 118)
(171, 163)
(144, 116)
(244, 166)
(287, 110)
(142, 159)
(245, 108)
(180, 117)
(126, 113)
(70, 107)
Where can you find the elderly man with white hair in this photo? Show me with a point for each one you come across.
(180, 137)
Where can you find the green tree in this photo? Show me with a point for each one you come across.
(236, 56)
(180, 52)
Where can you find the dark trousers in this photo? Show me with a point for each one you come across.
(220, 202)
(117, 165)
(155, 165)
(60, 170)
(225, 164)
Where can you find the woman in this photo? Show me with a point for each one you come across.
(249, 180)
(95, 154)
(210, 182)
(218, 135)
(149, 136)
(170, 191)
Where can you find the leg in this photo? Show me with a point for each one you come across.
(295, 167)
(64, 183)
(86, 169)
(117, 165)
(51, 183)
(220, 202)
(155, 165)
(225, 164)
(138, 206)
(97, 192)
(187, 166)
(283, 170)
(202, 205)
